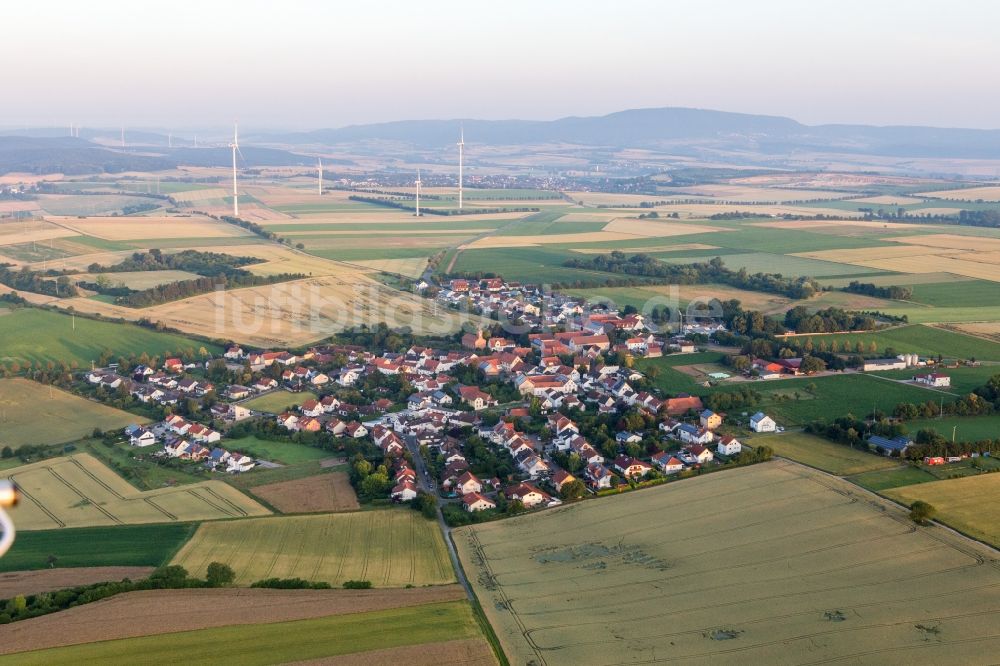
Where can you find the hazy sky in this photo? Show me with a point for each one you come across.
(326, 64)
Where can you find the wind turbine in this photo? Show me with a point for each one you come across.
(461, 154)
(319, 173)
(418, 184)
(123, 137)
(170, 139)
(235, 145)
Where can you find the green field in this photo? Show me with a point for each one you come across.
(903, 475)
(287, 453)
(790, 402)
(32, 413)
(30, 334)
(823, 454)
(966, 428)
(278, 401)
(969, 293)
(673, 381)
(281, 642)
(963, 379)
(126, 545)
(532, 265)
(390, 548)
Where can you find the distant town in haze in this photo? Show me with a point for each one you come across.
(664, 384)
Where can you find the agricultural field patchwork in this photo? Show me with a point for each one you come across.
(79, 491)
(641, 578)
(31, 413)
(421, 634)
(390, 548)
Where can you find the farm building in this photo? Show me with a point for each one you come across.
(933, 379)
(896, 445)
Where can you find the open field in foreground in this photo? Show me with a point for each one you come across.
(391, 548)
(128, 545)
(31, 413)
(45, 580)
(968, 504)
(79, 491)
(272, 626)
(314, 494)
(826, 455)
(779, 564)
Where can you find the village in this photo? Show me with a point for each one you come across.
(560, 406)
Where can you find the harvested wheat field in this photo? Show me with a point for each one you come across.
(313, 494)
(389, 547)
(289, 313)
(967, 504)
(982, 329)
(888, 200)
(869, 254)
(749, 194)
(80, 491)
(13, 233)
(807, 225)
(705, 210)
(140, 228)
(546, 239)
(277, 260)
(953, 241)
(650, 228)
(153, 612)
(190, 197)
(412, 267)
(36, 299)
(779, 564)
(932, 263)
(988, 193)
(46, 580)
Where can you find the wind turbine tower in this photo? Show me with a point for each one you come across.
(418, 184)
(123, 137)
(235, 145)
(461, 156)
(319, 173)
(170, 139)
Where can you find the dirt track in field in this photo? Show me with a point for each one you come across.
(165, 611)
(469, 652)
(313, 494)
(45, 580)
